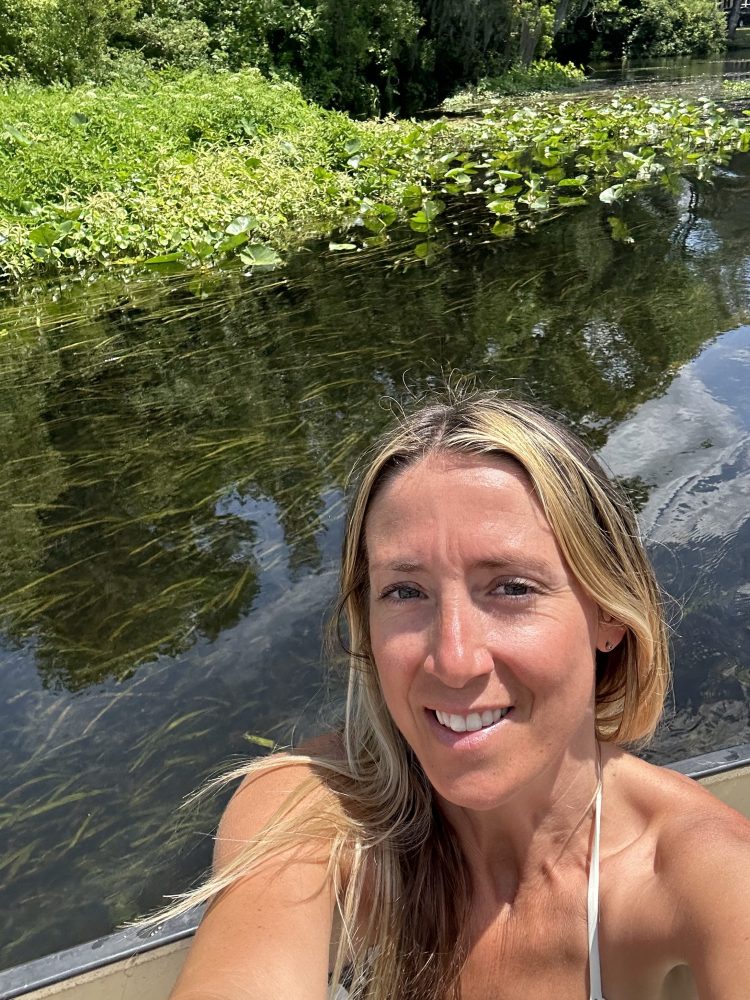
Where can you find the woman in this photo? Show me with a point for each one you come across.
(477, 831)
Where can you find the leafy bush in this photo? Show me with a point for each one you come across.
(542, 76)
(168, 41)
(59, 40)
(638, 28)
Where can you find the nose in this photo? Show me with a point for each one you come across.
(458, 650)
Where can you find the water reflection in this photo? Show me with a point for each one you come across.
(685, 72)
(174, 460)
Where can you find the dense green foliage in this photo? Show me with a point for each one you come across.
(207, 167)
(58, 40)
(618, 29)
(542, 75)
(365, 56)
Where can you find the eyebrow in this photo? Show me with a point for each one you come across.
(493, 563)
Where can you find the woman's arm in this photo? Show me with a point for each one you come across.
(267, 936)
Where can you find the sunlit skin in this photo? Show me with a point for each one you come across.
(473, 607)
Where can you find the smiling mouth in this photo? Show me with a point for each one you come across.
(472, 722)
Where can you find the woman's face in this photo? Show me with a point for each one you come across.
(483, 640)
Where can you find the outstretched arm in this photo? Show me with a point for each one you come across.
(267, 936)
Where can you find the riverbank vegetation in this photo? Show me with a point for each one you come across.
(209, 168)
(542, 76)
(366, 57)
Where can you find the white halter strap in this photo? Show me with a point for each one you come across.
(595, 972)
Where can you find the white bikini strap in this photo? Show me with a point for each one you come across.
(595, 972)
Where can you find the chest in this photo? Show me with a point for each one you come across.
(538, 949)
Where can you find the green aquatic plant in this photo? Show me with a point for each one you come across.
(735, 89)
(205, 169)
(543, 75)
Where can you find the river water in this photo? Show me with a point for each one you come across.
(174, 459)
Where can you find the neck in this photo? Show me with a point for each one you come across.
(523, 840)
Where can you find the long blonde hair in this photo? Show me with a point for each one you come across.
(403, 891)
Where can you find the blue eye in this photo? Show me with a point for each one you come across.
(402, 593)
(514, 588)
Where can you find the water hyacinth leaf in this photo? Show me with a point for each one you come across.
(503, 206)
(45, 235)
(167, 263)
(422, 250)
(432, 207)
(578, 181)
(411, 196)
(540, 203)
(419, 223)
(241, 224)
(164, 258)
(503, 230)
(200, 249)
(611, 194)
(259, 255)
(387, 213)
(619, 229)
(232, 242)
(352, 146)
(568, 202)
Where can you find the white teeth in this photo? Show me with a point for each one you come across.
(473, 721)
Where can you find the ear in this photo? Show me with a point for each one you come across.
(609, 634)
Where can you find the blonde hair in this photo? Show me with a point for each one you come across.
(390, 845)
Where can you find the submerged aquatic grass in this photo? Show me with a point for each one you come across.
(209, 168)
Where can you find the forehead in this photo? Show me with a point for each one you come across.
(453, 500)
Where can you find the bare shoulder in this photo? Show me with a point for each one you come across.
(268, 928)
(286, 785)
(701, 868)
(686, 820)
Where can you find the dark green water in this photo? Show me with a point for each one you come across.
(174, 455)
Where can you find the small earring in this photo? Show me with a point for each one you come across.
(607, 646)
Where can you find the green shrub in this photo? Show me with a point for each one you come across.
(168, 41)
(640, 28)
(542, 76)
(59, 40)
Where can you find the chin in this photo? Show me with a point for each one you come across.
(464, 794)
